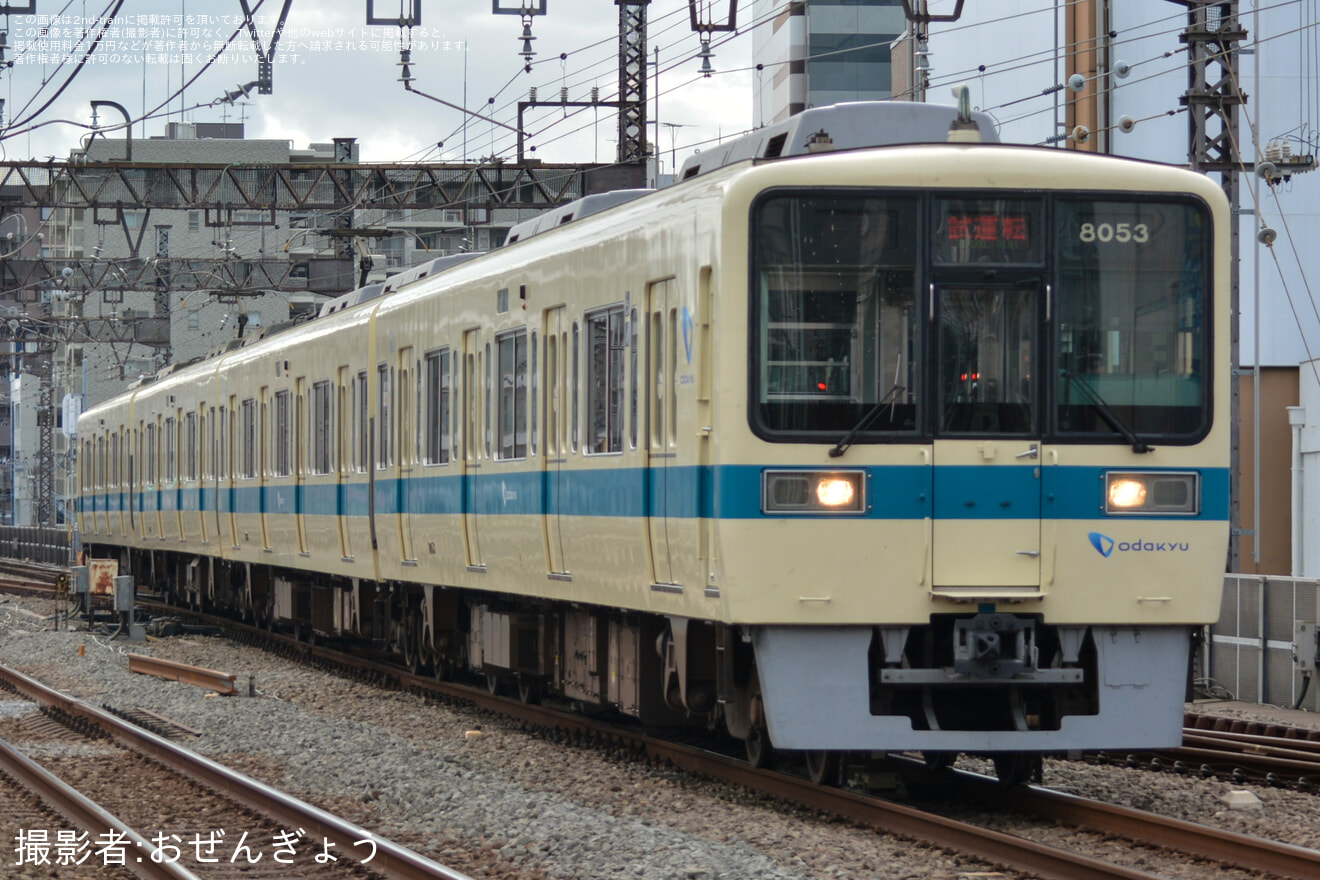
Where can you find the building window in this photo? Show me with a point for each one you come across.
(194, 221)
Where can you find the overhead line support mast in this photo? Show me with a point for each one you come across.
(1212, 100)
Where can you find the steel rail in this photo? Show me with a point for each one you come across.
(88, 815)
(1220, 725)
(1017, 853)
(995, 847)
(1217, 844)
(391, 859)
(992, 846)
(1300, 749)
(1246, 760)
(220, 682)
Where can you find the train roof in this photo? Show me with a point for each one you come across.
(394, 282)
(576, 210)
(846, 126)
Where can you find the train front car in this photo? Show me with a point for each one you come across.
(985, 500)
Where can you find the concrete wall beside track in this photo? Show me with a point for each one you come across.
(1252, 644)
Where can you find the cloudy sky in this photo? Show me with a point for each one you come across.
(334, 76)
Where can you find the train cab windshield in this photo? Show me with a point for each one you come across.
(880, 317)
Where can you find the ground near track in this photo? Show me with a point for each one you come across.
(21, 812)
(512, 805)
(195, 827)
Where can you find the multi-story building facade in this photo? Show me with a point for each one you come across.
(822, 52)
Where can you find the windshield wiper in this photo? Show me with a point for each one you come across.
(871, 415)
(1110, 417)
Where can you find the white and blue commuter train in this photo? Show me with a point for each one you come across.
(856, 439)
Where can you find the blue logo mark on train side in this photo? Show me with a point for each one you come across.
(1105, 545)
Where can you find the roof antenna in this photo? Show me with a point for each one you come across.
(963, 129)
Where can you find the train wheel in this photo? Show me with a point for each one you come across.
(939, 760)
(759, 750)
(494, 685)
(1017, 768)
(412, 643)
(441, 669)
(529, 690)
(822, 767)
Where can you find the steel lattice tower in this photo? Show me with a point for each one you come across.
(632, 80)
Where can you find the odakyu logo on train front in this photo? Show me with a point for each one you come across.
(1105, 545)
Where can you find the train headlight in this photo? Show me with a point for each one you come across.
(813, 492)
(1150, 492)
(1126, 494)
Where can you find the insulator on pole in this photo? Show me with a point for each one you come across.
(527, 37)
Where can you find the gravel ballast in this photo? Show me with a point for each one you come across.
(487, 798)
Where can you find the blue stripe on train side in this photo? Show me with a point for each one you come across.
(725, 492)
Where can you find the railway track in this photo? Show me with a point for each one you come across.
(1241, 751)
(22, 811)
(1195, 841)
(167, 803)
(1007, 850)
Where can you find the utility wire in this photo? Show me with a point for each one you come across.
(72, 75)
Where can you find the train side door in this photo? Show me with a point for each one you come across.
(263, 462)
(661, 351)
(555, 336)
(407, 397)
(203, 449)
(134, 479)
(987, 495)
(299, 460)
(220, 466)
(343, 460)
(231, 475)
(122, 489)
(472, 442)
(157, 460)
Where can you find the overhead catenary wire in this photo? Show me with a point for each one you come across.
(1235, 146)
(673, 65)
(1164, 72)
(118, 4)
(46, 80)
(150, 114)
